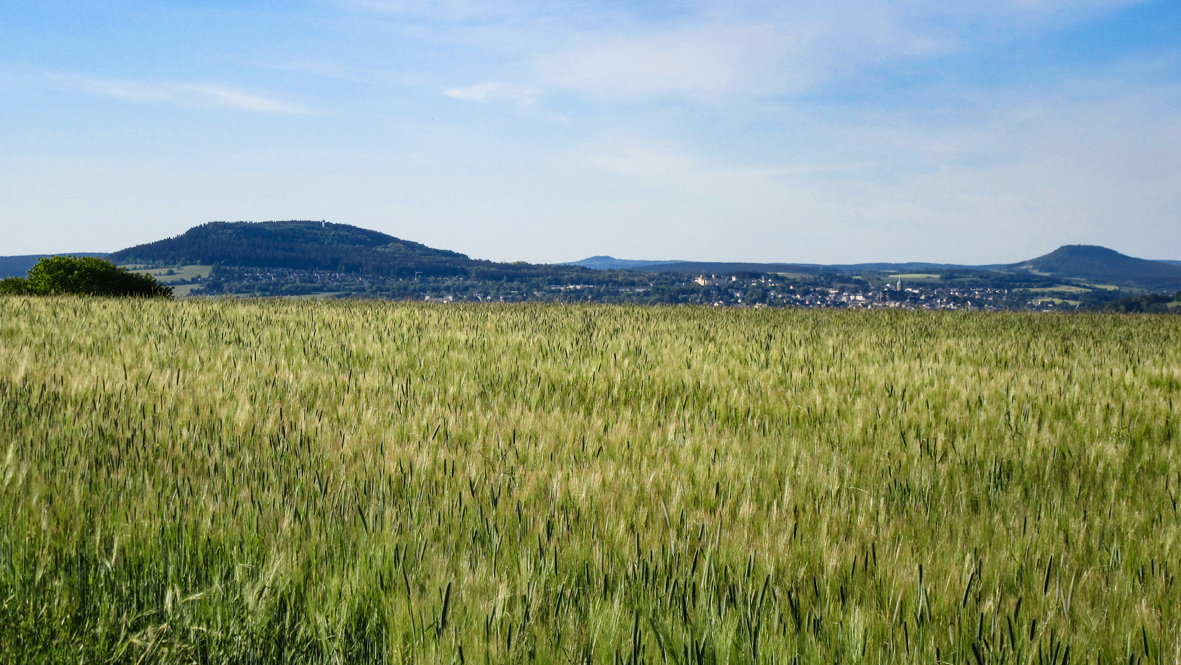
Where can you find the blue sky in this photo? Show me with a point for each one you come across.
(804, 130)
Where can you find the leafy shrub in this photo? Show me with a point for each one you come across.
(90, 276)
(14, 286)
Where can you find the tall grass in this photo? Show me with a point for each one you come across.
(296, 482)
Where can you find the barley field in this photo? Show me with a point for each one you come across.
(361, 482)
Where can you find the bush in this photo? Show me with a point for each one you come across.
(14, 286)
(90, 276)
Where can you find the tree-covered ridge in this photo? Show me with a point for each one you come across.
(321, 246)
(299, 245)
(1105, 265)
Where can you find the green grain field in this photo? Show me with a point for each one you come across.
(357, 482)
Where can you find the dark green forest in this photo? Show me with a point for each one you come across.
(321, 246)
(1145, 304)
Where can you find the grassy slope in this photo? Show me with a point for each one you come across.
(179, 273)
(359, 482)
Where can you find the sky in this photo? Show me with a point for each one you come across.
(819, 131)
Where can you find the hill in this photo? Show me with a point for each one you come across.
(718, 267)
(1070, 262)
(1099, 264)
(612, 263)
(721, 267)
(293, 258)
(299, 245)
(19, 266)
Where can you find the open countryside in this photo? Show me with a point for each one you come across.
(325, 260)
(874, 357)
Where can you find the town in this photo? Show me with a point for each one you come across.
(749, 290)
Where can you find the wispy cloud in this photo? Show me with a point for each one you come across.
(192, 95)
(1086, 161)
(684, 171)
(524, 95)
(714, 50)
(719, 49)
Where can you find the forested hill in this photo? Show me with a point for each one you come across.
(300, 245)
(1099, 264)
(338, 248)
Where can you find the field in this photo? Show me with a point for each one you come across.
(354, 482)
(1061, 289)
(914, 277)
(178, 274)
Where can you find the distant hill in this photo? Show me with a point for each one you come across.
(722, 267)
(299, 245)
(19, 266)
(1102, 265)
(911, 267)
(1082, 262)
(322, 246)
(612, 263)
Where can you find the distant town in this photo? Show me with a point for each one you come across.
(925, 292)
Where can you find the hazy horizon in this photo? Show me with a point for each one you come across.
(644, 261)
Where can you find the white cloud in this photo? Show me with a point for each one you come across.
(680, 171)
(716, 49)
(193, 95)
(758, 48)
(491, 91)
(1006, 178)
(245, 101)
(694, 59)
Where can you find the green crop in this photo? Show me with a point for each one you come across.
(340, 482)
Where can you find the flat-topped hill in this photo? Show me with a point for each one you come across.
(298, 245)
(1099, 264)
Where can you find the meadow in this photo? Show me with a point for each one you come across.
(359, 482)
(182, 279)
